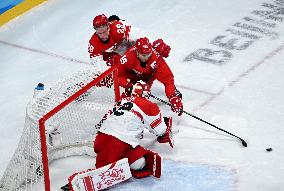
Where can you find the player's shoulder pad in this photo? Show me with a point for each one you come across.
(117, 30)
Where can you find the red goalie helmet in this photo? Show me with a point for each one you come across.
(143, 46)
(140, 89)
(100, 20)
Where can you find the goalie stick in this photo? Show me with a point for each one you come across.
(165, 102)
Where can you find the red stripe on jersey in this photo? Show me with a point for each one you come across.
(156, 122)
(138, 115)
(88, 184)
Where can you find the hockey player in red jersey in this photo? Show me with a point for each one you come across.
(121, 129)
(112, 37)
(144, 61)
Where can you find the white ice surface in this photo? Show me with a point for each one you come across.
(245, 96)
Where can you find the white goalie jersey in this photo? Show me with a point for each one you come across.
(128, 119)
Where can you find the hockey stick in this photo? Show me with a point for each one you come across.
(165, 102)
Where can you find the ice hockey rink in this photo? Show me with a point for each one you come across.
(226, 57)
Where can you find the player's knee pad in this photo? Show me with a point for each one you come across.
(135, 154)
(138, 164)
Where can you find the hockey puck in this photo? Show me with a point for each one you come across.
(269, 149)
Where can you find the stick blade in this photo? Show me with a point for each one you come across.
(244, 143)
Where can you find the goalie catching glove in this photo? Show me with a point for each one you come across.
(168, 136)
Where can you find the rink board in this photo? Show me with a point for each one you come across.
(18, 10)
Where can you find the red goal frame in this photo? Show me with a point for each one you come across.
(42, 120)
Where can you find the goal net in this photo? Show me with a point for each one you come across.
(60, 121)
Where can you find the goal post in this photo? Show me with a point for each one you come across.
(62, 105)
(60, 122)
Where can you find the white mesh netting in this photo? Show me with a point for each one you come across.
(70, 131)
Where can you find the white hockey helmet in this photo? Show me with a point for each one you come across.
(140, 89)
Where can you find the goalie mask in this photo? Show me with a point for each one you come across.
(140, 89)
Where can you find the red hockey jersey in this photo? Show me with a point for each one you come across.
(118, 33)
(155, 68)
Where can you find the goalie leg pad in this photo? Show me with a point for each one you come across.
(138, 164)
(154, 163)
(109, 149)
(101, 178)
(136, 153)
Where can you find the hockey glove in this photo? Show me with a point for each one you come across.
(176, 104)
(168, 136)
(107, 55)
(113, 60)
(162, 48)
